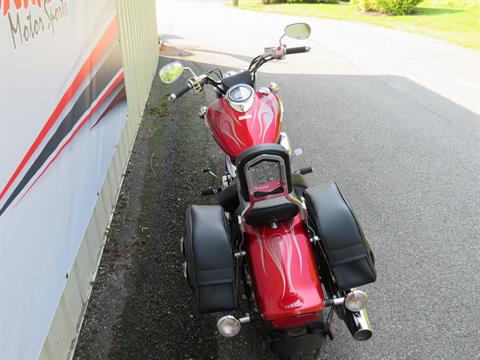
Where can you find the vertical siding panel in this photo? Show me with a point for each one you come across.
(90, 243)
(63, 333)
(72, 297)
(139, 42)
(82, 271)
(46, 353)
(111, 187)
(123, 145)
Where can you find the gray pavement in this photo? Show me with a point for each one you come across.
(338, 47)
(397, 128)
(393, 118)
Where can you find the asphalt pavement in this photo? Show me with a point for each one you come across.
(391, 117)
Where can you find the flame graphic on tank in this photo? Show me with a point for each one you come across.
(227, 127)
(237, 131)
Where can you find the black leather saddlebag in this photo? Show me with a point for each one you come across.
(346, 248)
(209, 257)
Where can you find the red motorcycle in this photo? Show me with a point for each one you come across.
(295, 253)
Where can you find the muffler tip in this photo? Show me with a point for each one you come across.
(363, 335)
(359, 325)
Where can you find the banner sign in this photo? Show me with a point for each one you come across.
(62, 110)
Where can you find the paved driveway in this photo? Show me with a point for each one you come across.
(393, 118)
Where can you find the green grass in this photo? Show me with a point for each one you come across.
(456, 21)
(161, 110)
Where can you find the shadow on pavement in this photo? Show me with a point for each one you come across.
(166, 37)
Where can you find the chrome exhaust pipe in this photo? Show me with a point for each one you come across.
(359, 325)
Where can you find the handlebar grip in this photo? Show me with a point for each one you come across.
(305, 170)
(297, 50)
(175, 95)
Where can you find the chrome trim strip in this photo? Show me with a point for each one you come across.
(285, 142)
(232, 169)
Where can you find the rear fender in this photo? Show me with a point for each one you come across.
(284, 273)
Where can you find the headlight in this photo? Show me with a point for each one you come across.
(356, 300)
(228, 326)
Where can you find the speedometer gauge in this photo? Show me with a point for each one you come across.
(240, 93)
(240, 97)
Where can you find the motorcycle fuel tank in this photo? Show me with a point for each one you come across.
(235, 131)
(283, 268)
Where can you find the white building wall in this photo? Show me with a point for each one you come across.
(139, 41)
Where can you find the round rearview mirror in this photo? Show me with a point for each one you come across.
(171, 72)
(299, 31)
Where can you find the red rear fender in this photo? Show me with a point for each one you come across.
(284, 273)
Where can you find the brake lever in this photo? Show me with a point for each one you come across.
(191, 70)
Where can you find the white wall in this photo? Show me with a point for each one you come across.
(53, 232)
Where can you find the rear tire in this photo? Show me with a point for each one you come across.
(312, 356)
(307, 347)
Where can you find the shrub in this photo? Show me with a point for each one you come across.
(392, 7)
(298, 1)
(313, 1)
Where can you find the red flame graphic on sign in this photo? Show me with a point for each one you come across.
(21, 4)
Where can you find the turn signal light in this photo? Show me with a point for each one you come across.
(228, 326)
(356, 300)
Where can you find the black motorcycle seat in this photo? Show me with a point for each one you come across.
(228, 198)
(281, 209)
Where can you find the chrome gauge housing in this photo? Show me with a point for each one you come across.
(240, 97)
